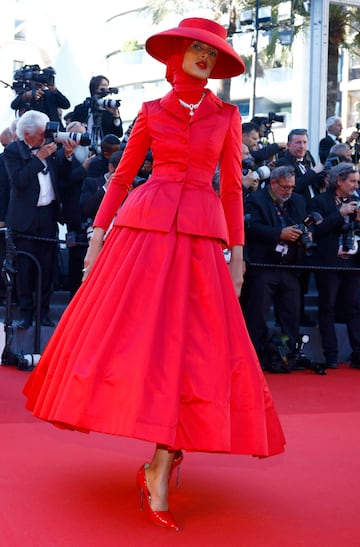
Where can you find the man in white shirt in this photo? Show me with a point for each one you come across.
(35, 169)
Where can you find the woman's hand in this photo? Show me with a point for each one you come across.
(95, 246)
(237, 267)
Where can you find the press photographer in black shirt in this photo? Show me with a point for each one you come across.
(100, 114)
(36, 90)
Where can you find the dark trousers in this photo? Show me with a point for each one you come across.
(76, 265)
(45, 253)
(345, 286)
(266, 287)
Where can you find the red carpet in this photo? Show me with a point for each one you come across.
(67, 489)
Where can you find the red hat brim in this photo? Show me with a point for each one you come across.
(228, 63)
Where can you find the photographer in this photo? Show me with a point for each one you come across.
(36, 90)
(251, 177)
(260, 152)
(36, 166)
(274, 237)
(337, 248)
(76, 238)
(102, 116)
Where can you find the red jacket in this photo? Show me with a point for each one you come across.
(186, 155)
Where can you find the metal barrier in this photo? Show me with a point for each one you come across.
(8, 273)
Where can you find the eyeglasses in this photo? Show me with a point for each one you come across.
(285, 186)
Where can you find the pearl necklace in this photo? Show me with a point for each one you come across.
(192, 106)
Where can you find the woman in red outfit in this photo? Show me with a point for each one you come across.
(153, 345)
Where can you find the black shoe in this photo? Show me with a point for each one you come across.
(47, 322)
(355, 359)
(24, 323)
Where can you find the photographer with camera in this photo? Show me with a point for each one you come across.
(338, 249)
(274, 236)
(76, 237)
(100, 114)
(36, 167)
(251, 176)
(262, 153)
(36, 90)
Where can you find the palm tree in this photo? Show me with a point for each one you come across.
(344, 31)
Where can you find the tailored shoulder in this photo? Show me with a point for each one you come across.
(151, 104)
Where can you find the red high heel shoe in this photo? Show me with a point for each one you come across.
(177, 461)
(160, 518)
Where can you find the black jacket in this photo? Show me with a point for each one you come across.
(309, 183)
(264, 228)
(324, 147)
(48, 104)
(82, 112)
(23, 169)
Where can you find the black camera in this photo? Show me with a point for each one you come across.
(272, 117)
(103, 92)
(348, 241)
(248, 164)
(331, 162)
(97, 104)
(260, 173)
(31, 76)
(304, 238)
(52, 134)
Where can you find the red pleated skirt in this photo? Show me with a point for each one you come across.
(154, 346)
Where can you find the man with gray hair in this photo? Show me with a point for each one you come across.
(35, 166)
(334, 129)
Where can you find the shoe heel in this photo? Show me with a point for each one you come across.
(178, 458)
(141, 494)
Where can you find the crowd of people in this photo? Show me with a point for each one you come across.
(283, 187)
(55, 170)
(154, 263)
(302, 221)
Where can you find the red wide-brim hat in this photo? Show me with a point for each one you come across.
(228, 62)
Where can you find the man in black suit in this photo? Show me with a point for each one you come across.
(309, 181)
(338, 249)
(35, 168)
(333, 131)
(273, 238)
(100, 120)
